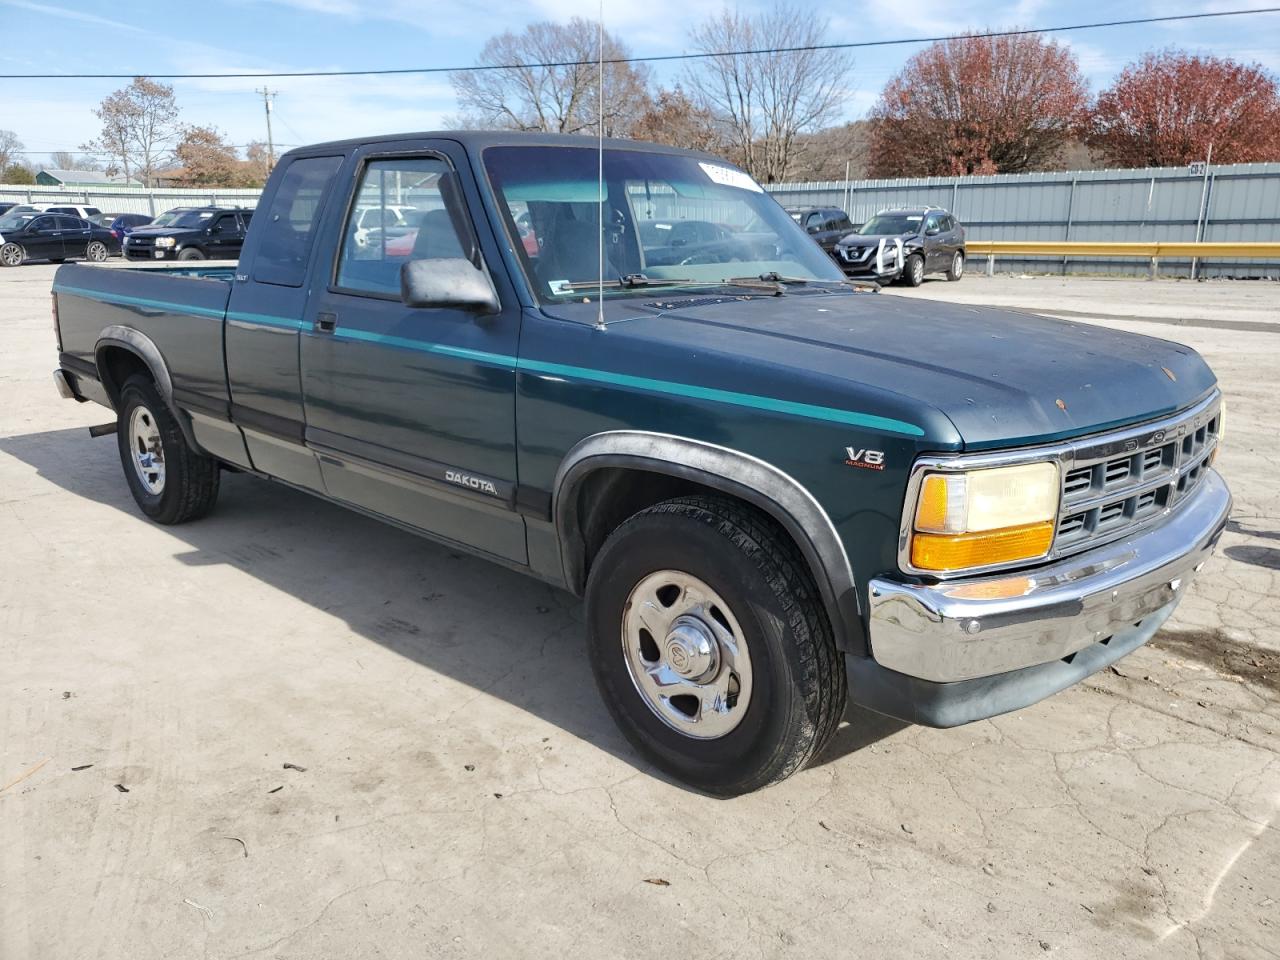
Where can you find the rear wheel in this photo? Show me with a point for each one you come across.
(97, 251)
(191, 253)
(170, 482)
(956, 270)
(11, 255)
(711, 647)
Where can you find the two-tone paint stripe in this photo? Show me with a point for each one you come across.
(525, 364)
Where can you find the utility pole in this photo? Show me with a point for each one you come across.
(267, 96)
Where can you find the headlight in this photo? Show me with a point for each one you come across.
(984, 517)
(164, 241)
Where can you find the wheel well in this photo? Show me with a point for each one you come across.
(608, 496)
(115, 366)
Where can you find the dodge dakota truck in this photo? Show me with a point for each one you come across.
(633, 375)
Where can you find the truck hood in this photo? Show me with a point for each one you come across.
(159, 231)
(1002, 377)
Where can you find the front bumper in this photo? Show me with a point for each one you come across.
(948, 653)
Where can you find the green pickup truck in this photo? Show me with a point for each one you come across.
(777, 490)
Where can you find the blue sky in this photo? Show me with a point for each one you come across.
(248, 35)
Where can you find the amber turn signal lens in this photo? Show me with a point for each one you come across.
(946, 552)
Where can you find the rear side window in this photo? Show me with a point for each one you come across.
(841, 221)
(285, 244)
(71, 223)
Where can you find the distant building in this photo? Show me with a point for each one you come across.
(81, 178)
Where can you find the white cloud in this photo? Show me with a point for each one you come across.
(62, 13)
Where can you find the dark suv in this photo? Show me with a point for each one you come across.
(904, 244)
(190, 233)
(825, 224)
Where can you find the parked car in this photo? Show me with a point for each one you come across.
(123, 224)
(9, 207)
(92, 214)
(906, 244)
(825, 224)
(394, 220)
(190, 233)
(56, 237)
(776, 490)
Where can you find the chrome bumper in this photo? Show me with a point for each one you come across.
(983, 626)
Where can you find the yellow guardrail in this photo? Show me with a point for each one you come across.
(1154, 251)
(1158, 250)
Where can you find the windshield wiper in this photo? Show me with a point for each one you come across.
(630, 282)
(775, 277)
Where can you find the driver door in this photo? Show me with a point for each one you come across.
(411, 409)
(43, 239)
(935, 244)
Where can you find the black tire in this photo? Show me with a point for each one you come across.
(956, 270)
(190, 481)
(191, 253)
(913, 271)
(798, 681)
(96, 251)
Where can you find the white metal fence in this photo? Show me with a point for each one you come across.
(1233, 203)
(1230, 203)
(113, 198)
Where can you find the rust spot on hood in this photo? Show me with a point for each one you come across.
(1060, 405)
(1169, 373)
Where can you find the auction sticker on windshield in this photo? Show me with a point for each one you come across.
(730, 177)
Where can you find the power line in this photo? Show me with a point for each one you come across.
(649, 59)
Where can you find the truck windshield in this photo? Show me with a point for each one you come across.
(667, 217)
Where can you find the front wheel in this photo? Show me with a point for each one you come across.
(956, 270)
(11, 255)
(170, 482)
(191, 253)
(711, 647)
(96, 252)
(913, 272)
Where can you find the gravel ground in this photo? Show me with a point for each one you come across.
(290, 731)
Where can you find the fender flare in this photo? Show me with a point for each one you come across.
(731, 472)
(145, 349)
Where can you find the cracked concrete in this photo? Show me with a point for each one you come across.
(465, 794)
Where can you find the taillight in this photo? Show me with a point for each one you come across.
(57, 331)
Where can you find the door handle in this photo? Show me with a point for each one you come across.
(326, 322)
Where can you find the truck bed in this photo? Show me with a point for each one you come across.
(181, 309)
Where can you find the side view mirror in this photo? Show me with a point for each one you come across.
(933, 231)
(813, 228)
(453, 283)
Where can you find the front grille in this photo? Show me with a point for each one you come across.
(138, 248)
(1119, 481)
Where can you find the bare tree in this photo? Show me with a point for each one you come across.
(765, 100)
(10, 149)
(561, 99)
(139, 128)
(674, 119)
(62, 160)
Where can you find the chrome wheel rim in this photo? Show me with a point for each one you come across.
(97, 252)
(11, 253)
(917, 270)
(957, 265)
(686, 654)
(147, 450)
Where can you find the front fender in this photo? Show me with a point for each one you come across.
(731, 472)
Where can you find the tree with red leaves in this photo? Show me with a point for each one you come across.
(1166, 110)
(978, 104)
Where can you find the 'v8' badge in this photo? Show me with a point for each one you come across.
(866, 459)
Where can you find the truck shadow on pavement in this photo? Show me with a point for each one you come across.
(493, 629)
